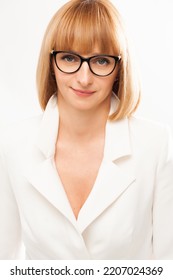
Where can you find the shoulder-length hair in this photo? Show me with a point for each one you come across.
(81, 25)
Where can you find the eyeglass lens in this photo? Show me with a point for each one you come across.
(99, 65)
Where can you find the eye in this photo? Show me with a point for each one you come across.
(69, 58)
(101, 61)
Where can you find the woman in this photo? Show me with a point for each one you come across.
(87, 180)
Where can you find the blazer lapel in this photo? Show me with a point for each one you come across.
(112, 180)
(44, 178)
(41, 171)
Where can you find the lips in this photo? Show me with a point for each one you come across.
(82, 92)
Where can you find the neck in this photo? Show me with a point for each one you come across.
(80, 125)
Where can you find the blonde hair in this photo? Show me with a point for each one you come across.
(81, 25)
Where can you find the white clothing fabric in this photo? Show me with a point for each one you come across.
(128, 214)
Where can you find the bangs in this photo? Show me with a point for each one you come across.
(85, 27)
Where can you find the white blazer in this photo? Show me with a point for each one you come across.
(128, 214)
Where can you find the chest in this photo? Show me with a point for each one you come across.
(78, 170)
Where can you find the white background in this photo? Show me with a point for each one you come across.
(23, 23)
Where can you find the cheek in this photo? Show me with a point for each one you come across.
(61, 78)
(113, 79)
(108, 83)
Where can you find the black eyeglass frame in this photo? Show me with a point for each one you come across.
(83, 59)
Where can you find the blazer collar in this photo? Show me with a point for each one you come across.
(47, 134)
(111, 182)
(117, 141)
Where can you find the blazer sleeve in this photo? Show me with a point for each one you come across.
(163, 201)
(10, 228)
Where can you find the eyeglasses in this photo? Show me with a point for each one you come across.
(100, 65)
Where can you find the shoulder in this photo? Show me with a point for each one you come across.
(148, 133)
(146, 127)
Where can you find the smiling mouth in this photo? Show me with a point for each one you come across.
(83, 92)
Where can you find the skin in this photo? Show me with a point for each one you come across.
(83, 103)
(84, 97)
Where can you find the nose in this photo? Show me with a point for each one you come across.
(84, 75)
